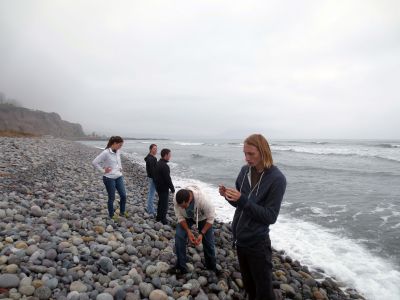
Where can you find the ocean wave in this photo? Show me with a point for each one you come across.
(337, 170)
(335, 152)
(396, 226)
(133, 157)
(307, 142)
(318, 211)
(317, 247)
(385, 206)
(201, 158)
(355, 216)
(188, 144)
(388, 145)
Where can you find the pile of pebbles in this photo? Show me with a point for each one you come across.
(57, 242)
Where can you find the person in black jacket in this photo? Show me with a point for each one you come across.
(258, 195)
(163, 185)
(151, 162)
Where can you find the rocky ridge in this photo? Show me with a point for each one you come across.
(20, 119)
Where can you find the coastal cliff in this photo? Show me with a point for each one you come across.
(20, 119)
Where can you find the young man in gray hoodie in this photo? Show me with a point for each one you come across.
(257, 197)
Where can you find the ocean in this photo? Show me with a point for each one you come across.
(341, 209)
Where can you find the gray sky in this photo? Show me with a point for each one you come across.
(287, 69)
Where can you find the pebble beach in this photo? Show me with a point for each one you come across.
(57, 242)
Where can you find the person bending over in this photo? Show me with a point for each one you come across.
(193, 206)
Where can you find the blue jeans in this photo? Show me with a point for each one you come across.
(181, 239)
(150, 198)
(112, 185)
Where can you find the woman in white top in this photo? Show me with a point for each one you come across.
(108, 163)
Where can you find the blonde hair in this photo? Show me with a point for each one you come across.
(261, 143)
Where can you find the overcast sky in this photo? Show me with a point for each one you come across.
(287, 69)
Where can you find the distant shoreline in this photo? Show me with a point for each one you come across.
(125, 139)
(14, 133)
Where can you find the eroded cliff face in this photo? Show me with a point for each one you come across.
(15, 118)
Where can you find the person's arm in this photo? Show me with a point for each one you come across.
(178, 213)
(188, 231)
(202, 234)
(169, 180)
(152, 166)
(205, 228)
(98, 161)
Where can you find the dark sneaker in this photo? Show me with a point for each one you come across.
(217, 272)
(176, 271)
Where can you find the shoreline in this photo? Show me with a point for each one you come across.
(54, 229)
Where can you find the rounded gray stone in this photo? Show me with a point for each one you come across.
(26, 290)
(9, 281)
(158, 295)
(36, 211)
(106, 264)
(104, 296)
(43, 293)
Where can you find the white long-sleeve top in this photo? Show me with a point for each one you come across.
(203, 206)
(109, 158)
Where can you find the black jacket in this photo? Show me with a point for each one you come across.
(151, 162)
(255, 212)
(162, 177)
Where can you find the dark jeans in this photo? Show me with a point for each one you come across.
(181, 239)
(112, 185)
(162, 207)
(256, 268)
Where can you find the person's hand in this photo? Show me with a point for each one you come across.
(198, 240)
(191, 237)
(232, 194)
(107, 170)
(222, 190)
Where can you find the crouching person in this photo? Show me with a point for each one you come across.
(192, 206)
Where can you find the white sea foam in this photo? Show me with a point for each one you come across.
(188, 144)
(339, 211)
(385, 219)
(339, 256)
(134, 157)
(391, 154)
(319, 211)
(396, 226)
(356, 215)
